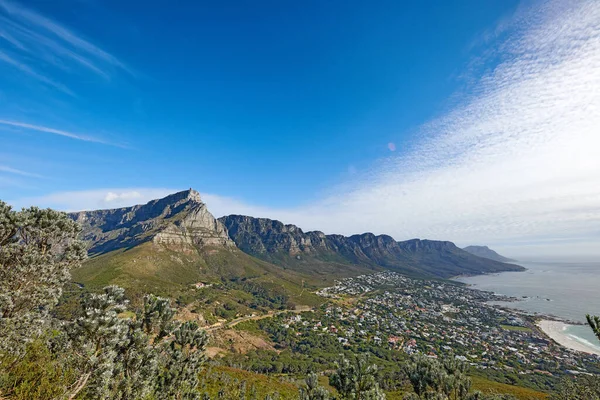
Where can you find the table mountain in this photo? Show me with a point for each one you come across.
(288, 245)
(486, 252)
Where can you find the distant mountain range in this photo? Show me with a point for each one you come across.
(289, 246)
(486, 252)
(177, 241)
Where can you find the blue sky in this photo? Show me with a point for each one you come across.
(236, 100)
(393, 117)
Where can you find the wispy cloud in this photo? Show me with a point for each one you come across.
(29, 41)
(60, 32)
(29, 71)
(10, 170)
(45, 129)
(514, 165)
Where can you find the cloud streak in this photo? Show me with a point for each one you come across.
(59, 132)
(10, 170)
(29, 71)
(30, 41)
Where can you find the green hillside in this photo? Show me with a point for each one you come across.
(227, 277)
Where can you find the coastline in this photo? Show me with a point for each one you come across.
(555, 330)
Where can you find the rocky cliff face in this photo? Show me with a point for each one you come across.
(180, 221)
(263, 235)
(289, 245)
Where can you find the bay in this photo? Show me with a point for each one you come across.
(565, 290)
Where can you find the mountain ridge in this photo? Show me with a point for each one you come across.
(275, 241)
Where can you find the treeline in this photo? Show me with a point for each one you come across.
(261, 296)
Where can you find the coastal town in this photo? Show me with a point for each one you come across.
(438, 319)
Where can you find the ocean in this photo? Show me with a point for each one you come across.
(565, 290)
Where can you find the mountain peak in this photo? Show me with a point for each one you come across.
(179, 219)
(184, 196)
(193, 195)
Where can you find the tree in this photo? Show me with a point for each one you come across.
(356, 379)
(37, 250)
(130, 358)
(578, 388)
(594, 323)
(180, 360)
(312, 390)
(446, 380)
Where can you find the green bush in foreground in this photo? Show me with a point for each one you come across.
(101, 353)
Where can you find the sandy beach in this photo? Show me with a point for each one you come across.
(555, 330)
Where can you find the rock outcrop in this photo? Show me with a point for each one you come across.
(179, 221)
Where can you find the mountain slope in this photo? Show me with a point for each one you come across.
(486, 252)
(288, 245)
(168, 245)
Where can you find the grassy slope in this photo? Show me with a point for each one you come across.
(488, 386)
(150, 268)
(322, 267)
(264, 384)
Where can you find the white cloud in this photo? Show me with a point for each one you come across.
(93, 199)
(59, 132)
(516, 165)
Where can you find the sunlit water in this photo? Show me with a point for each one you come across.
(566, 290)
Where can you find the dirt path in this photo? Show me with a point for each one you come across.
(270, 314)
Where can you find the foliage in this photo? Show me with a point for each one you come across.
(446, 380)
(491, 387)
(579, 388)
(37, 374)
(312, 390)
(37, 250)
(356, 379)
(594, 323)
(106, 351)
(131, 358)
(218, 382)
